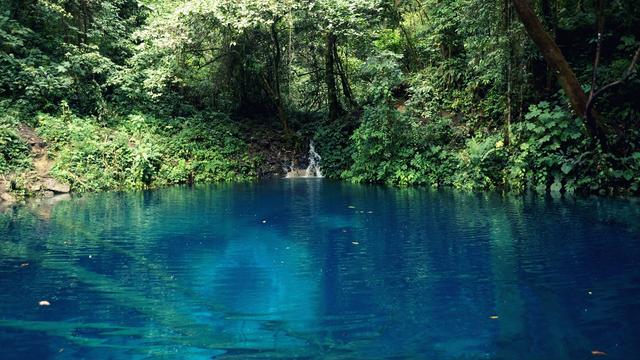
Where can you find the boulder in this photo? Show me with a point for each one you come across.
(35, 187)
(296, 173)
(55, 186)
(6, 197)
(48, 194)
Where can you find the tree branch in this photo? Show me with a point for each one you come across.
(626, 75)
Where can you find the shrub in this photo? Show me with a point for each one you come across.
(384, 149)
(333, 143)
(553, 152)
(144, 152)
(481, 163)
(14, 152)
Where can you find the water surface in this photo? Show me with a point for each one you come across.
(313, 269)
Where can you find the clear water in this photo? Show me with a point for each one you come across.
(314, 269)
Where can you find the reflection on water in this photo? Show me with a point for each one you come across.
(309, 268)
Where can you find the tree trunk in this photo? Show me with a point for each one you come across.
(508, 18)
(330, 78)
(596, 61)
(276, 90)
(557, 61)
(344, 80)
(85, 18)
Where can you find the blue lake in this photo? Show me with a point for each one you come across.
(314, 269)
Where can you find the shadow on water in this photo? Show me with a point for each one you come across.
(310, 268)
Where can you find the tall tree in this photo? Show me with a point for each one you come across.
(332, 94)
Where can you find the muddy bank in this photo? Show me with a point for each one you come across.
(36, 181)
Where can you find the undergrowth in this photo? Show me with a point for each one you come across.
(139, 151)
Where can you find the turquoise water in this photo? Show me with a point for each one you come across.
(315, 269)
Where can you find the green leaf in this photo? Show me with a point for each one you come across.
(566, 168)
(575, 135)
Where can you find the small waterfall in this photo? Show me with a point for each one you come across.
(314, 162)
(313, 170)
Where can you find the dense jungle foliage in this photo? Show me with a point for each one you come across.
(472, 94)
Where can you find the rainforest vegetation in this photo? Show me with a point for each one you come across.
(515, 95)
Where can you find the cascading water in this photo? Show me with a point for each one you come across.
(312, 170)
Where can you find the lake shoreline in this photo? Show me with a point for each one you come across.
(47, 198)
